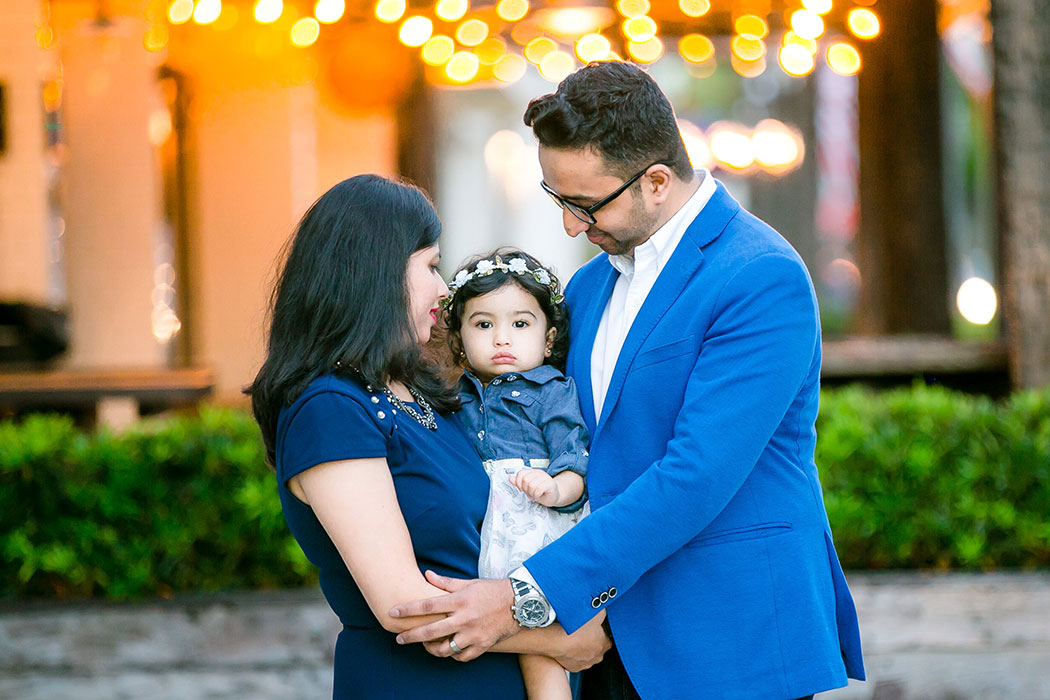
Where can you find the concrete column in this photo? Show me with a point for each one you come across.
(111, 194)
(23, 188)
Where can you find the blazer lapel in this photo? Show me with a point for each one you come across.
(684, 262)
(591, 306)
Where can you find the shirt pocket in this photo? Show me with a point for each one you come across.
(662, 353)
(738, 534)
(523, 437)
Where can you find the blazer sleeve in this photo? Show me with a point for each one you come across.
(757, 350)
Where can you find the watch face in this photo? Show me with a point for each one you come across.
(533, 612)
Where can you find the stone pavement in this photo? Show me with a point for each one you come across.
(926, 637)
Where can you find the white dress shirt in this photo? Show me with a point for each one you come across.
(638, 272)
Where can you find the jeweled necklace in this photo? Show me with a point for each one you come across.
(426, 419)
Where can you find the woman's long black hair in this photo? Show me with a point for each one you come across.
(341, 302)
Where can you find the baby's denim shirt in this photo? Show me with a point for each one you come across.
(527, 415)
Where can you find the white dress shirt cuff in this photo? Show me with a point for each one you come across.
(522, 574)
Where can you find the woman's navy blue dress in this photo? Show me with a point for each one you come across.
(443, 492)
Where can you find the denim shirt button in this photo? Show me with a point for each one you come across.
(481, 435)
(515, 393)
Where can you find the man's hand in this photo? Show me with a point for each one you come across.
(538, 485)
(586, 646)
(478, 615)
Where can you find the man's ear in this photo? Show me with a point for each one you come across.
(658, 182)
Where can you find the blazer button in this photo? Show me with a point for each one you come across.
(612, 592)
(604, 597)
(596, 603)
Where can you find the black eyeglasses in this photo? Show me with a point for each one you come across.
(586, 214)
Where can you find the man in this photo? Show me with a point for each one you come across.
(696, 350)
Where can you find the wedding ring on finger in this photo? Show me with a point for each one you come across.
(455, 647)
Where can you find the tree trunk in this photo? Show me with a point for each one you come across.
(1021, 41)
(901, 246)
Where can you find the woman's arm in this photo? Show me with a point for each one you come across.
(355, 502)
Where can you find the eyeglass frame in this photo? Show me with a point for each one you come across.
(577, 209)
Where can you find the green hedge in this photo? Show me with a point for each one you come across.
(913, 478)
(187, 504)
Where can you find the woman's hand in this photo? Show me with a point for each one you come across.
(586, 646)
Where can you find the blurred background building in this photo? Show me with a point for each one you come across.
(156, 154)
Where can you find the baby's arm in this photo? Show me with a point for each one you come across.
(556, 491)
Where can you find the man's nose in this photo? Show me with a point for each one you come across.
(573, 226)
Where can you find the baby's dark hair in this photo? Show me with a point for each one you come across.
(549, 297)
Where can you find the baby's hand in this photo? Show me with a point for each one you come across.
(537, 485)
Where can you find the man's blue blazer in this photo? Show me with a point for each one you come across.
(708, 542)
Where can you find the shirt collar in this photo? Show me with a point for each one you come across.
(471, 385)
(658, 248)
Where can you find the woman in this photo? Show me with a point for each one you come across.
(376, 477)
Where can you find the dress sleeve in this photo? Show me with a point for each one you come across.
(565, 433)
(328, 427)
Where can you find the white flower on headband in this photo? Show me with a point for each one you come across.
(517, 266)
(484, 267)
(542, 276)
(461, 278)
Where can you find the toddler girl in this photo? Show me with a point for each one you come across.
(508, 328)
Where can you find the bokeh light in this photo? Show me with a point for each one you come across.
(437, 50)
(694, 8)
(268, 11)
(537, 49)
(329, 11)
(490, 51)
(462, 67)
(305, 32)
(806, 24)
(472, 32)
(593, 47)
(777, 147)
(796, 60)
(512, 10)
(747, 48)
(863, 23)
(645, 51)
(843, 58)
(696, 48)
(639, 29)
(451, 10)
(510, 69)
(751, 25)
(180, 11)
(633, 8)
(977, 301)
(415, 30)
(819, 7)
(390, 11)
(207, 11)
(556, 65)
(731, 145)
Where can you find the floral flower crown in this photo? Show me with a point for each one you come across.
(516, 266)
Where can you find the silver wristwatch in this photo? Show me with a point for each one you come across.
(530, 608)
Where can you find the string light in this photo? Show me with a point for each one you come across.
(639, 29)
(537, 49)
(510, 69)
(451, 10)
(390, 11)
(751, 25)
(415, 30)
(863, 23)
(843, 58)
(180, 11)
(305, 32)
(696, 48)
(633, 8)
(645, 51)
(806, 24)
(437, 50)
(491, 51)
(796, 60)
(694, 8)
(462, 67)
(512, 10)
(329, 11)
(593, 47)
(207, 11)
(268, 11)
(556, 65)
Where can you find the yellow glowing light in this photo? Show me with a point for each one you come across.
(977, 301)
(45, 37)
(305, 32)
(451, 10)
(180, 11)
(777, 147)
(790, 38)
(472, 32)
(593, 47)
(863, 23)
(751, 25)
(820, 7)
(268, 11)
(438, 49)
(510, 68)
(329, 11)
(748, 49)
(645, 51)
(702, 70)
(731, 146)
(390, 11)
(748, 69)
(843, 58)
(537, 49)
(155, 38)
(695, 144)
(573, 22)
(490, 51)
(639, 29)
(207, 11)
(159, 126)
(556, 65)
(696, 48)
(512, 10)
(415, 30)
(796, 60)
(694, 8)
(462, 67)
(808, 25)
(633, 8)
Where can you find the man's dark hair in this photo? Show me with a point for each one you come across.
(616, 109)
(341, 302)
(546, 295)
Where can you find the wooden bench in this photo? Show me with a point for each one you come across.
(114, 397)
